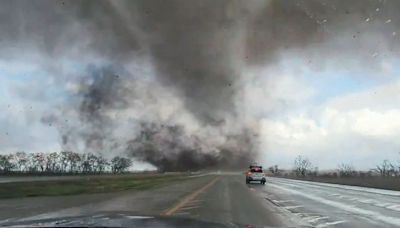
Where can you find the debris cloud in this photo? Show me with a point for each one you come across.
(163, 80)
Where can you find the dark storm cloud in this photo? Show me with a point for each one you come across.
(198, 50)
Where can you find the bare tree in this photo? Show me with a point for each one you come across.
(52, 162)
(21, 160)
(6, 163)
(85, 164)
(386, 169)
(271, 169)
(346, 170)
(302, 166)
(102, 163)
(40, 161)
(75, 160)
(92, 159)
(120, 164)
(314, 172)
(65, 161)
(31, 165)
(274, 169)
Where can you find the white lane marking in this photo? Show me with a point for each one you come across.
(315, 219)
(395, 207)
(138, 217)
(200, 175)
(367, 201)
(370, 214)
(292, 207)
(307, 214)
(282, 201)
(6, 220)
(390, 206)
(330, 223)
(386, 205)
(382, 204)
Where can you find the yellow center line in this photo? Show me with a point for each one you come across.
(189, 198)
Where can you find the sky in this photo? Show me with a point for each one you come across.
(333, 117)
(333, 100)
(327, 116)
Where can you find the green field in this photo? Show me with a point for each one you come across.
(85, 185)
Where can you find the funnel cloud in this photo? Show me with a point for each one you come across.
(163, 81)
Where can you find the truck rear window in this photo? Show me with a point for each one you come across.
(256, 170)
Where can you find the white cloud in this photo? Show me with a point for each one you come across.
(375, 123)
(381, 97)
(361, 128)
(270, 91)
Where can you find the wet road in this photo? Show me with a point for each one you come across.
(226, 199)
(327, 205)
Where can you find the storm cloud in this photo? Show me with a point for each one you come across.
(163, 80)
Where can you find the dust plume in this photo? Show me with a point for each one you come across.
(163, 80)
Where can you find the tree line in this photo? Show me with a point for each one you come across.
(303, 167)
(61, 163)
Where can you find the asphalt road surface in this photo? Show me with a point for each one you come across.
(226, 199)
(324, 205)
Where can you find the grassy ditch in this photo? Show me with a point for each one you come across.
(87, 185)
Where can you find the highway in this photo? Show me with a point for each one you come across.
(226, 199)
(324, 205)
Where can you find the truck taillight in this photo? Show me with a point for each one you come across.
(248, 173)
